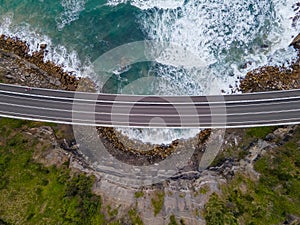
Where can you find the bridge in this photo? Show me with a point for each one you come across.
(111, 110)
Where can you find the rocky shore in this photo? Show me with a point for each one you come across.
(270, 78)
(141, 154)
(18, 67)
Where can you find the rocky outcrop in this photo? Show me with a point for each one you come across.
(266, 78)
(138, 153)
(296, 42)
(18, 66)
(270, 78)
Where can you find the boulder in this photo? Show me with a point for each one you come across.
(9, 76)
(296, 42)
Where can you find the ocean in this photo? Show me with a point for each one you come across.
(230, 38)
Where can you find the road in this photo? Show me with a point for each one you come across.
(228, 111)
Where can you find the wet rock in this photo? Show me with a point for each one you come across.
(43, 46)
(296, 41)
(18, 51)
(270, 78)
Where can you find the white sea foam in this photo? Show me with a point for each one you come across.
(57, 54)
(72, 9)
(148, 4)
(159, 136)
(223, 34)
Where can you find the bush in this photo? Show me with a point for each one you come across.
(216, 212)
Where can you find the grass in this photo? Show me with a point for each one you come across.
(173, 221)
(259, 132)
(139, 194)
(135, 218)
(33, 194)
(204, 190)
(158, 202)
(236, 153)
(267, 201)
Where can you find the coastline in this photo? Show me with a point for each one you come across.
(19, 67)
(51, 75)
(32, 71)
(270, 78)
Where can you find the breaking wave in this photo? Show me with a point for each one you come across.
(72, 9)
(225, 35)
(58, 54)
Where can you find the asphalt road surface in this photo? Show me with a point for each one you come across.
(240, 110)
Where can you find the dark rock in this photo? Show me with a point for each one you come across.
(280, 143)
(245, 148)
(270, 137)
(43, 46)
(245, 66)
(9, 76)
(286, 138)
(292, 220)
(191, 175)
(296, 42)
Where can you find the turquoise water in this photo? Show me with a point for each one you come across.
(223, 35)
(90, 30)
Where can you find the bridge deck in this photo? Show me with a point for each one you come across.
(241, 110)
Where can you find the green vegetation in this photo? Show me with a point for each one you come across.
(33, 194)
(112, 212)
(270, 200)
(182, 195)
(204, 190)
(173, 221)
(158, 202)
(239, 152)
(216, 212)
(259, 132)
(135, 218)
(234, 153)
(139, 194)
